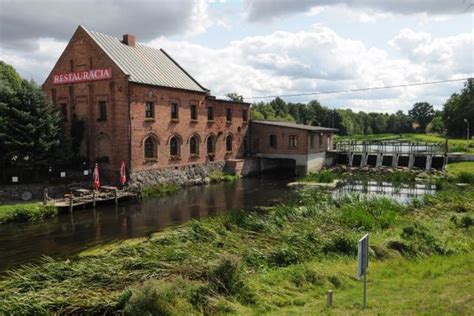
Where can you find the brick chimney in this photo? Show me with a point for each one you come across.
(129, 39)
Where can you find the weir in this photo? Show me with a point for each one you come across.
(391, 154)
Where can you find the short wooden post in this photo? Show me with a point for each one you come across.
(115, 196)
(71, 202)
(45, 196)
(329, 298)
(93, 198)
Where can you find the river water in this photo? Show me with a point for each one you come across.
(67, 234)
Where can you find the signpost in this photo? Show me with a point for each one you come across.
(363, 262)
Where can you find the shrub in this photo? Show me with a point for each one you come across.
(159, 190)
(344, 245)
(160, 298)
(466, 221)
(218, 176)
(284, 256)
(323, 176)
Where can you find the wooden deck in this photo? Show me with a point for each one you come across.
(86, 198)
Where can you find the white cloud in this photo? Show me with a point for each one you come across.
(261, 10)
(24, 21)
(320, 60)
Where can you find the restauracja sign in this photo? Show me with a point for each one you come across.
(81, 76)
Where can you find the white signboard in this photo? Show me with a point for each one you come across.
(362, 256)
(15, 179)
(86, 172)
(63, 174)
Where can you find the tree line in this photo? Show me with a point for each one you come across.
(422, 117)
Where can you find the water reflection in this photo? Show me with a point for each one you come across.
(403, 193)
(68, 234)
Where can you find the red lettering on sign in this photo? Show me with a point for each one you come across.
(81, 76)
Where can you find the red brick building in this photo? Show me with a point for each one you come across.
(305, 145)
(136, 104)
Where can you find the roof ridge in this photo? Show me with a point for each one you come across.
(145, 64)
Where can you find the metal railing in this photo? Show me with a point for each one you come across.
(389, 147)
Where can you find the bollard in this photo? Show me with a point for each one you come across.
(329, 298)
(115, 196)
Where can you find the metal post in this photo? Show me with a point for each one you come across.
(365, 289)
(71, 202)
(115, 196)
(329, 298)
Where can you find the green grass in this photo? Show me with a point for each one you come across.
(455, 144)
(461, 171)
(23, 212)
(218, 176)
(323, 176)
(159, 190)
(273, 260)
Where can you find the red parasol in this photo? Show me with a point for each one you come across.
(123, 174)
(96, 177)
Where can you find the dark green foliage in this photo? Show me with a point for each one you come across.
(467, 221)
(31, 133)
(422, 113)
(159, 190)
(458, 107)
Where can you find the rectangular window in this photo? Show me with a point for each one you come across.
(64, 111)
(102, 111)
(174, 111)
(210, 113)
(194, 115)
(321, 140)
(311, 141)
(149, 110)
(228, 115)
(293, 141)
(273, 141)
(244, 115)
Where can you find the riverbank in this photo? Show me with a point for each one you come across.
(263, 260)
(23, 212)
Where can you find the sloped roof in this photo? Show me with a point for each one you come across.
(145, 64)
(293, 125)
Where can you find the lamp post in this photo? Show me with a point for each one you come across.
(467, 134)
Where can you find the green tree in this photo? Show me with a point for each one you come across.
(422, 113)
(235, 97)
(436, 125)
(31, 132)
(459, 107)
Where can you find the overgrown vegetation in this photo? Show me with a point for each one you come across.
(256, 261)
(218, 176)
(159, 190)
(461, 172)
(323, 176)
(24, 212)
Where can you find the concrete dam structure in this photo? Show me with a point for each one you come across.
(391, 154)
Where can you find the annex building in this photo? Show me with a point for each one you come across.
(123, 101)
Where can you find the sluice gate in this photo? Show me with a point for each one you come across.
(391, 154)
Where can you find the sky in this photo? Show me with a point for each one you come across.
(270, 47)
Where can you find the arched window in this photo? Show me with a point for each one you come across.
(210, 144)
(174, 146)
(228, 143)
(194, 145)
(150, 148)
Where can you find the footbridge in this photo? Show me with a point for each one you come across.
(391, 154)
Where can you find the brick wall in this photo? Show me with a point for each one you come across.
(108, 138)
(162, 127)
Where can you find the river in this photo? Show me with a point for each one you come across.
(67, 235)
